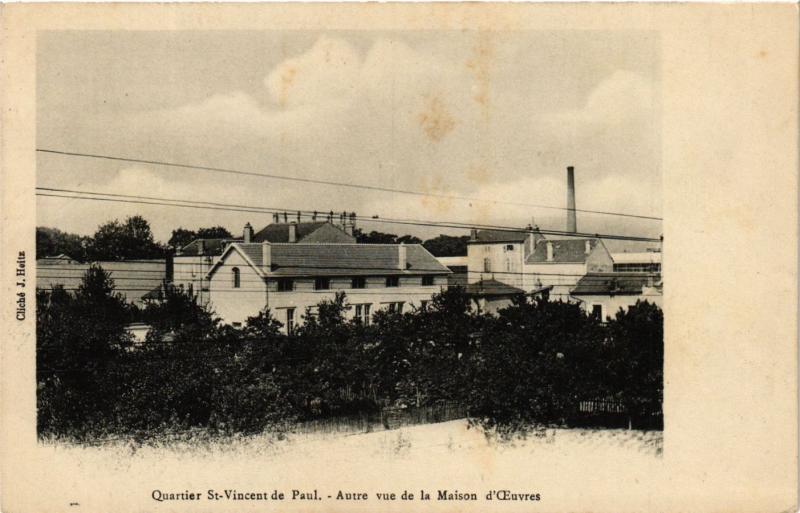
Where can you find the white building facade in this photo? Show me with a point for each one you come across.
(291, 279)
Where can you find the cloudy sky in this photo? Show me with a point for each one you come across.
(496, 116)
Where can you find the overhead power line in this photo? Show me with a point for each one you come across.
(172, 202)
(376, 188)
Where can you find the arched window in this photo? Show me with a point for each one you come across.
(237, 281)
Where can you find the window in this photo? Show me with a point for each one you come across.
(597, 311)
(362, 313)
(392, 281)
(509, 247)
(487, 265)
(395, 307)
(359, 282)
(322, 283)
(237, 280)
(427, 281)
(285, 285)
(289, 321)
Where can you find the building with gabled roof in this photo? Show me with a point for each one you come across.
(603, 294)
(194, 261)
(528, 260)
(291, 279)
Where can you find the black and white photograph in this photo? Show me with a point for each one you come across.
(276, 235)
(388, 265)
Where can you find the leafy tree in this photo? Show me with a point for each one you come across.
(376, 237)
(128, 240)
(53, 242)
(181, 236)
(446, 245)
(635, 359)
(537, 360)
(215, 232)
(79, 342)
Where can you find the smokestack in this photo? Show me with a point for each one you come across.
(402, 256)
(292, 232)
(572, 223)
(248, 234)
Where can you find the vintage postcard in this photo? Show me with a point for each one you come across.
(399, 257)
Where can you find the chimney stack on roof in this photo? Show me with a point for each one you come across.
(402, 256)
(247, 236)
(276, 218)
(292, 232)
(588, 247)
(572, 223)
(266, 256)
(201, 247)
(473, 234)
(549, 251)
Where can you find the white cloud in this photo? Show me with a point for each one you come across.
(397, 116)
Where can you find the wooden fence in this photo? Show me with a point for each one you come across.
(386, 418)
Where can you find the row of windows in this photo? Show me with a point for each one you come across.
(323, 283)
(362, 312)
(638, 268)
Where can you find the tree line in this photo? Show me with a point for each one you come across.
(133, 238)
(530, 365)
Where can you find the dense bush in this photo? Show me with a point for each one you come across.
(530, 365)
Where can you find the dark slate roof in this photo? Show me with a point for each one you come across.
(279, 232)
(613, 283)
(459, 277)
(565, 251)
(499, 236)
(210, 246)
(492, 287)
(341, 259)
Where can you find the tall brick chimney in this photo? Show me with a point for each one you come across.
(572, 223)
(247, 234)
(292, 232)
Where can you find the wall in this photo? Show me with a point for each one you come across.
(410, 291)
(599, 260)
(563, 277)
(236, 305)
(506, 265)
(612, 304)
(132, 278)
(192, 271)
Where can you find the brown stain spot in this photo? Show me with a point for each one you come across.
(481, 175)
(480, 67)
(436, 121)
(762, 54)
(435, 185)
(287, 80)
